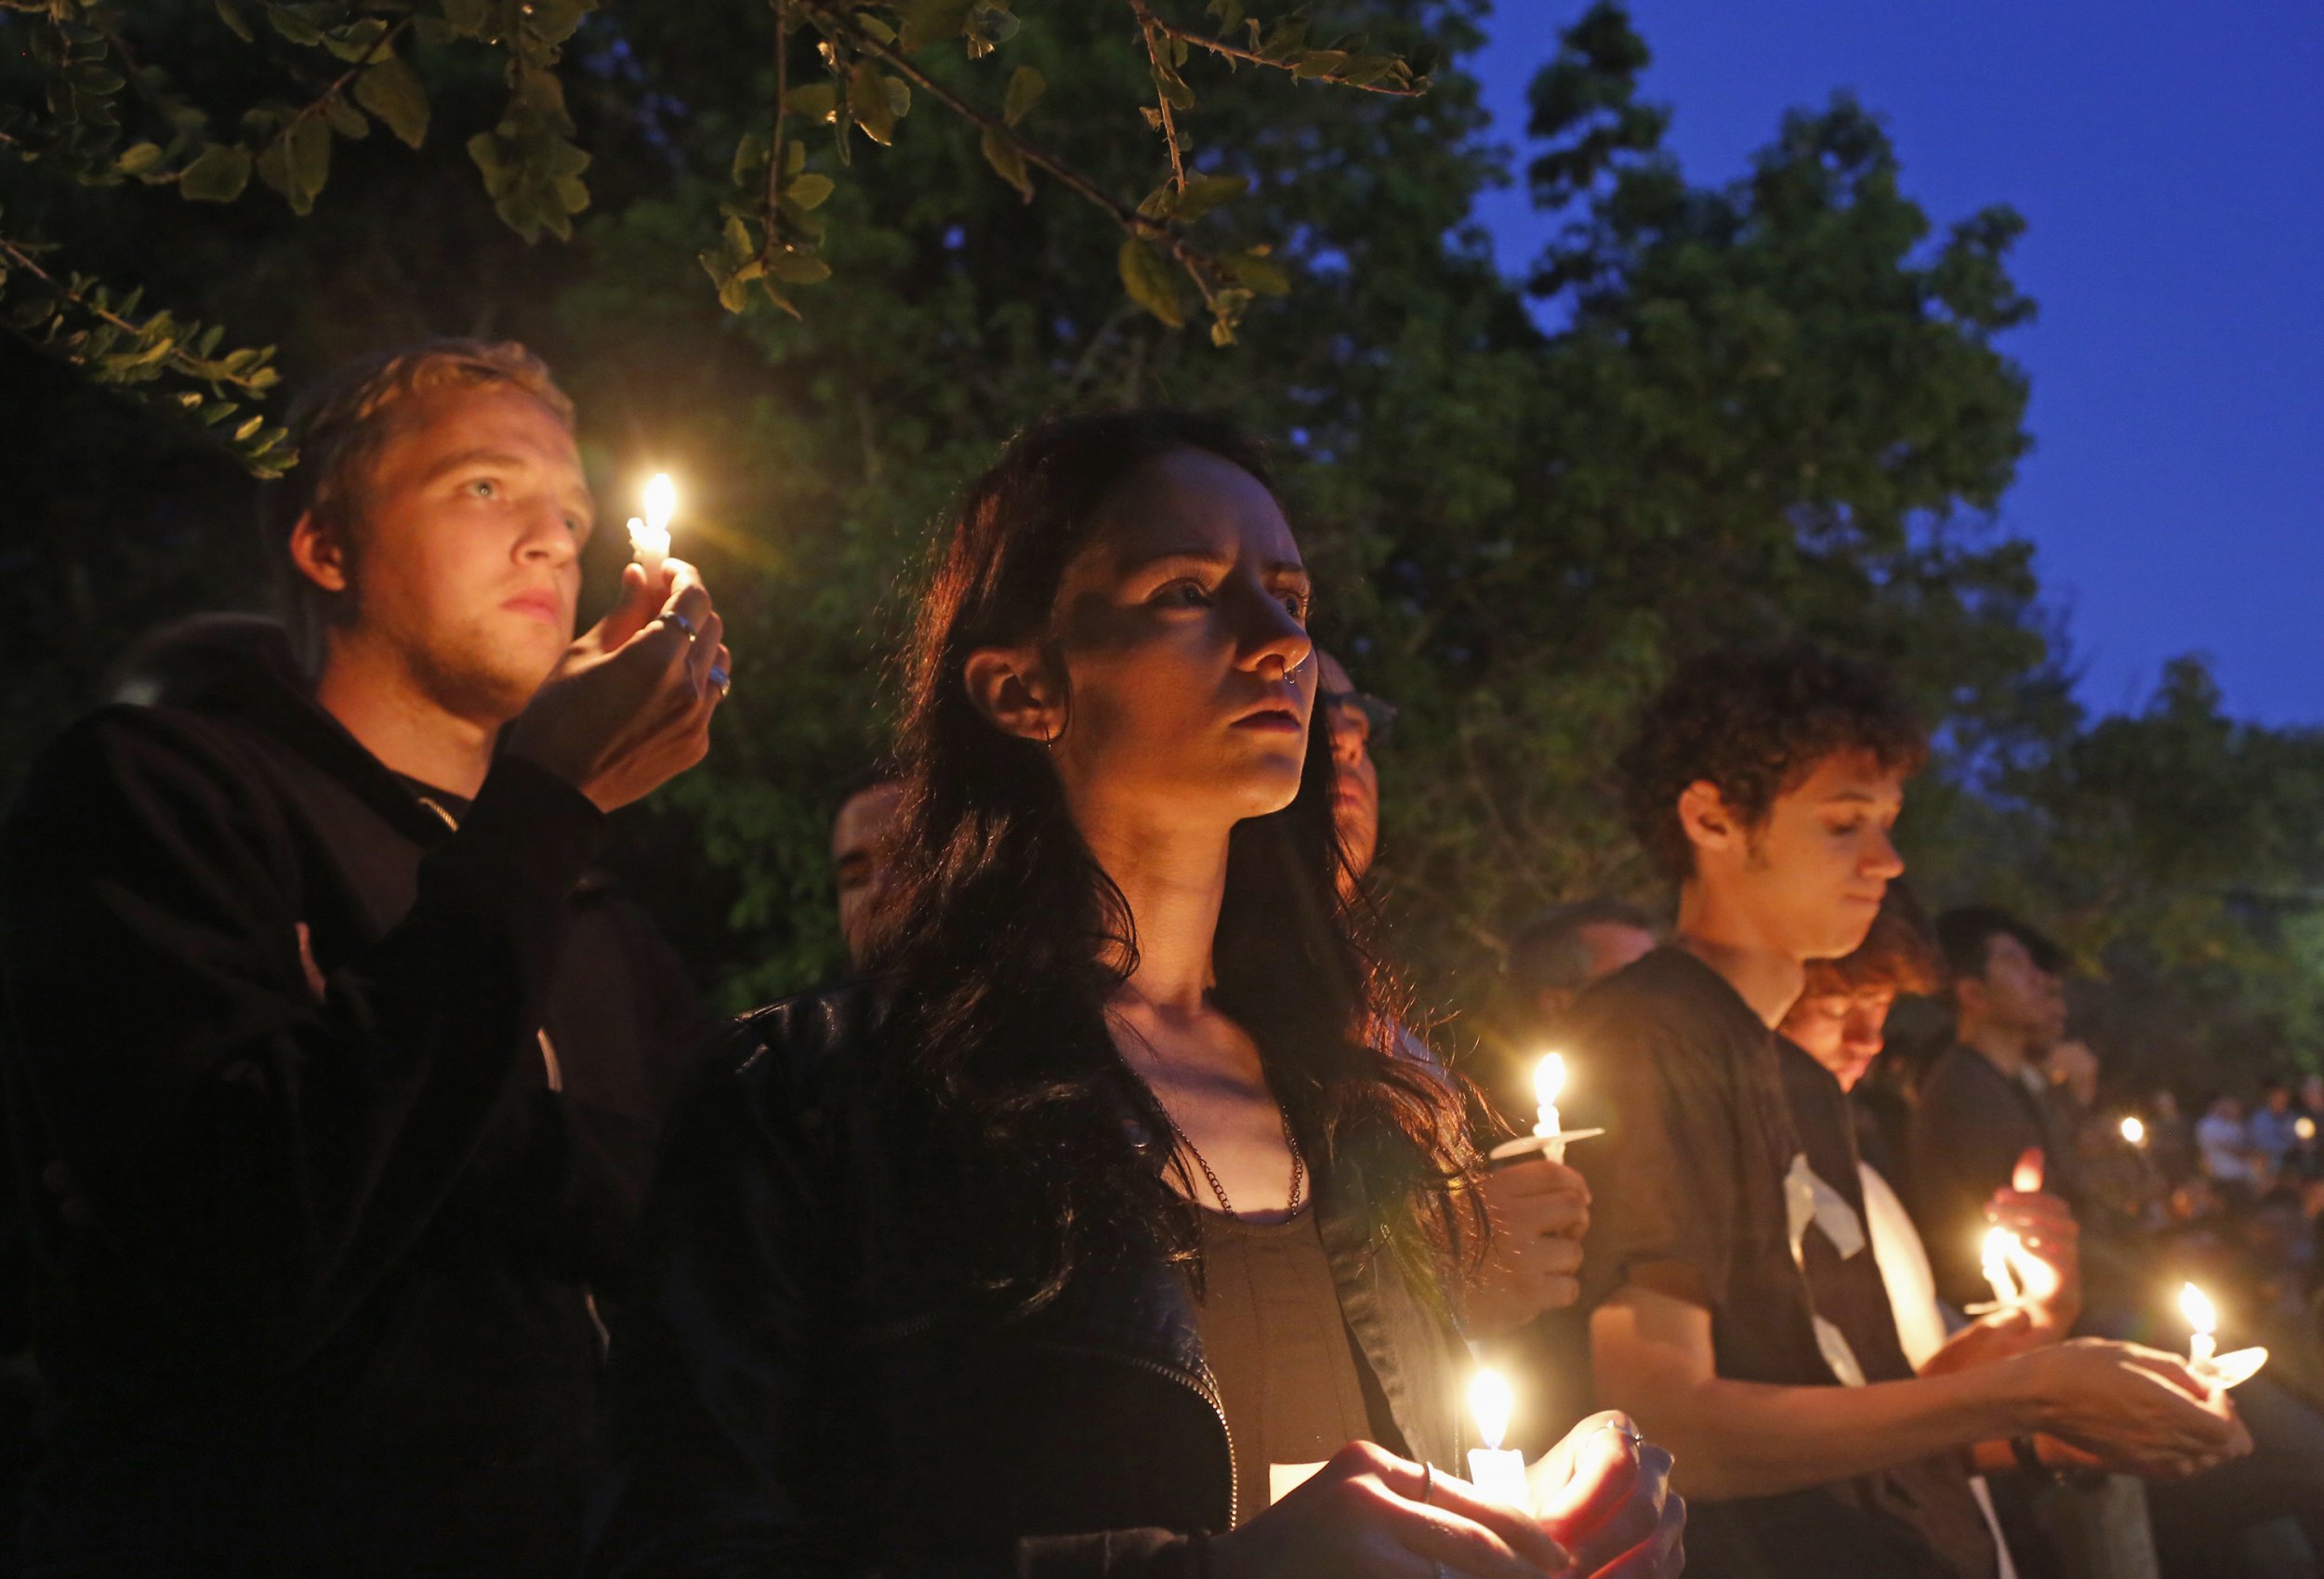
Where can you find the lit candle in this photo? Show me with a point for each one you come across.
(1999, 1245)
(1496, 1471)
(648, 539)
(2202, 1357)
(2135, 1130)
(1548, 1138)
(1549, 1083)
(2304, 1127)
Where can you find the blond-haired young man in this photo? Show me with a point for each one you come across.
(331, 1077)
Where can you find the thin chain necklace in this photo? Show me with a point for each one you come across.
(1299, 1162)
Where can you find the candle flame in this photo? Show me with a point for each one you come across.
(2197, 1306)
(1549, 1079)
(2304, 1127)
(2135, 1130)
(661, 501)
(1492, 1401)
(1998, 1242)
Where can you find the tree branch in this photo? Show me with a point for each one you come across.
(1226, 51)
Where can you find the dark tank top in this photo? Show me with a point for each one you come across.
(1289, 1377)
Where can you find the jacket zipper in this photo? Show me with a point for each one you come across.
(555, 1071)
(1203, 1385)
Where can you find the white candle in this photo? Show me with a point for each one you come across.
(2203, 1358)
(1999, 1245)
(2205, 1320)
(1549, 1083)
(2135, 1130)
(1496, 1472)
(648, 539)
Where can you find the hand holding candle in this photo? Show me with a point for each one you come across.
(649, 538)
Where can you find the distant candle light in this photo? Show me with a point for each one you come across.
(2304, 1127)
(2135, 1130)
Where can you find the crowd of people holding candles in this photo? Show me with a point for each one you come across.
(393, 1208)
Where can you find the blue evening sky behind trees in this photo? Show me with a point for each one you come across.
(2168, 161)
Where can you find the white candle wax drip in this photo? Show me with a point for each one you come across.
(649, 538)
(1497, 1473)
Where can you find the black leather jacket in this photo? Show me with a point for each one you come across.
(790, 1402)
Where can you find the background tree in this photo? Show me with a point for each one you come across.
(1775, 405)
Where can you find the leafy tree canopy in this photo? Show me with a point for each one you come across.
(1780, 404)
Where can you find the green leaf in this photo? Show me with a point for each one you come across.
(1025, 87)
(750, 159)
(309, 146)
(1006, 162)
(345, 118)
(817, 101)
(392, 90)
(868, 102)
(357, 40)
(809, 191)
(294, 23)
(932, 21)
(797, 267)
(1229, 12)
(230, 13)
(138, 158)
(217, 175)
(1257, 273)
(1151, 282)
(1173, 86)
(1204, 193)
(467, 17)
(1319, 62)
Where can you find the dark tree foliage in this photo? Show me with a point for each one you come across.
(1778, 407)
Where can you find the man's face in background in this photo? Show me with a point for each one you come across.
(1356, 805)
(863, 857)
(2016, 994)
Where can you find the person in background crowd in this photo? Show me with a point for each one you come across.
(1840, 1025)
(1542, 1208)
(1561, 953)
(1360, 724)
(2230, 1161)
(2274, 1128)
(1986, 1101)
(334, 1078)
(863, 855)
(2169, 1139)
(1765, 783)
(1110, 1201)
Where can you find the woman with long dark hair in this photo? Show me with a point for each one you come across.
(1108, 1194)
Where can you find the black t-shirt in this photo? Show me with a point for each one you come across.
(1969, 1127)
(1689, 1200)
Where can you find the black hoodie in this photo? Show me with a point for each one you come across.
(331, 1121)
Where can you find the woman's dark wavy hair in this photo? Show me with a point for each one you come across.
(1005, 939)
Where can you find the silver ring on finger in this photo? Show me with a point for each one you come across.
(672, 617)
(721, 680)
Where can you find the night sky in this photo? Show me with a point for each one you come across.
(2169, 161)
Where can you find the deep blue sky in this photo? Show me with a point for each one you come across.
(2169, 161)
